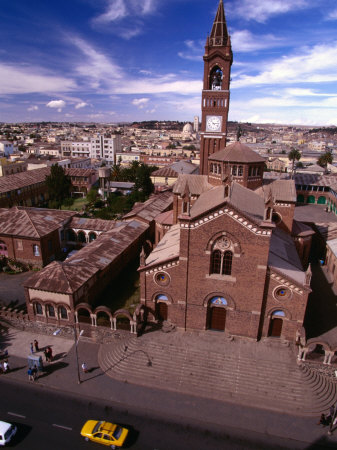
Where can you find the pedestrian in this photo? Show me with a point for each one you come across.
(46, 354)
(84, 367)
(30, 374)
(6, 366)
(34, 370)
(31, 348)
(324, 420)
(36, 345)
(332, 417)
(50, 353)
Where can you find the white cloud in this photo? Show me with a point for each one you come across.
(33, 108)
(119, 9)
(245, 41)
(97, 67)
(316, 65)
(58, 104)
(194, 50)
(332, 15)
(140, 102)
(261, 10)
(25, 79)
(81, 105)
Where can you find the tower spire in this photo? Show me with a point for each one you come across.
(219, 33)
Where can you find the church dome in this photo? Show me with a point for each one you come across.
(237, 152)
(188, 128)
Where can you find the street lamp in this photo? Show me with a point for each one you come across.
(76, 342)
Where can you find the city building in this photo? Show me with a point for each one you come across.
(232, 258)
(98, 147)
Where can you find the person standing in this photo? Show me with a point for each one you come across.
(30, 374)
(36, 345)
(84, 367)
(6, 366)
(31, 348)
(34, 370)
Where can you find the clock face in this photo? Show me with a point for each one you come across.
(213, 123)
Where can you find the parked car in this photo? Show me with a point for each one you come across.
(105, 433)
(7, 431)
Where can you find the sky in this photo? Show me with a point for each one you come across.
(130, 60)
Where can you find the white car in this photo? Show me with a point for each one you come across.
(7, 431)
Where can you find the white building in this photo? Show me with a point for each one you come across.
(98, 147)
(6, 148)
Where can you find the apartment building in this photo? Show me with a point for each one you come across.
(97, 147)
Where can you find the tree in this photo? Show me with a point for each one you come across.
(58, 186)
(325, 159)
(92, 195)
(294, 155)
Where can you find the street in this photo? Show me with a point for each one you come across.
(53, 420)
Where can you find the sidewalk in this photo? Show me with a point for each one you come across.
(168, 405)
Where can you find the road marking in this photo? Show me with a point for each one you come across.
(16, 415)
(62, 426)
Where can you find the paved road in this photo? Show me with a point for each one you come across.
(47, 419)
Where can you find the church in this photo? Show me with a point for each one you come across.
(233, 259)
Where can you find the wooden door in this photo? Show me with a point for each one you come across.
(162, 311)
(275, 328)
(218, 319)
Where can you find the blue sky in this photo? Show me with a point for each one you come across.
(125, 60)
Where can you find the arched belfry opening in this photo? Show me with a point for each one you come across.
(216, 77)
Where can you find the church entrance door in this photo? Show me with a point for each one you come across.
(218, 319)
(275, 328)
(161, 311)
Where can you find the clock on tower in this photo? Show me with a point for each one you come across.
(218, 59)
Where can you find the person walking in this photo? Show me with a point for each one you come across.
(50, 354)
(84, 367)
(30, 374)
(31, 348)
(34, 370)
(36, 345)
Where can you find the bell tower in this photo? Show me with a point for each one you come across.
(218, 59)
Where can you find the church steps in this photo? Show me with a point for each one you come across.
(231, 376)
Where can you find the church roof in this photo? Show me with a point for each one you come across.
(150, 209)
(180, 167)
(241, 198)
(283, 256)
(280, 190)
(197, 184)
(219, 29)
(238, 153)
(167, 249)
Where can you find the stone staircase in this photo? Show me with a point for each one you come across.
(241, 372)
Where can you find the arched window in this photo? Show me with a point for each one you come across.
(216, 79)
(216, 262)
(240, 171)
(51, 311)
(221, 256)
(63, 312)
(234, 170)
(227, 263)
(36, 250)
(92, 236)
(38, 308)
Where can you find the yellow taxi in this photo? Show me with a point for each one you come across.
(105, 433)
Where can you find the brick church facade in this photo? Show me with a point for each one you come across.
(234, 260)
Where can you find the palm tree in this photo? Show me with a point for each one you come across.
(325, 159)
(294, 155)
